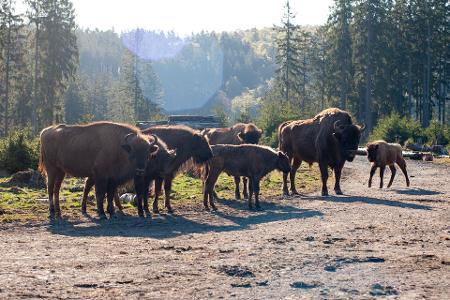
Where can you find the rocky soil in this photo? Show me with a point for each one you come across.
(366, 244)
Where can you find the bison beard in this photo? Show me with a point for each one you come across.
(110, 153)
(239, 133)
(330, 138)
(247, 160)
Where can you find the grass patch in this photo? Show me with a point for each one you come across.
(25, 204)
(444, 161)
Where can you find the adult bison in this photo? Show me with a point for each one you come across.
(239, 133)
(252, 161)
(158, 166)
(330, 138)
(110, 153)
(188, 144)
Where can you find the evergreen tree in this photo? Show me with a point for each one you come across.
(289, 71)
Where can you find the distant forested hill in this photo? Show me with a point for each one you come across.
(209, 69)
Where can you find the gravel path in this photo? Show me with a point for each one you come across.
(369, 243)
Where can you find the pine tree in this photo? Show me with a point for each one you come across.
(288, 58)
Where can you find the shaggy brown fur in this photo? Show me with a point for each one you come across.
(239, 133)
(189, 144)
(110, 153)
(158, 166)
(252, 161)
(330, 138)
(382, 154)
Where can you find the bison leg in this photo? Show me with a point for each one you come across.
(324, 174)
(256, 191)
(245, 192)
(158, 187)
(402, 164)
(50, 188)
(100, 191)
(285, 188)
(58, 181)
(337, 183)
(251, 187)
(237, 192)
(393, 171)
(372, 172)
(146, 195)
(167, 190)
(208, 191)
(87, 188)
(382, 168)
(110, 193)
(117, 201)
(295, 165)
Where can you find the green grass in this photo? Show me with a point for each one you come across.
(25, 204)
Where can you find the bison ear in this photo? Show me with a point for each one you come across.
(260, 131)
(241, 136)
(126, 147)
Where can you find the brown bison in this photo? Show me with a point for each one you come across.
(157, 166)
(110, 153)
(188, 144)
(239, 133)
(382, 154)
(252, 161)
(330, 138)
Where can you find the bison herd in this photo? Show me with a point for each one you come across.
(111, 154)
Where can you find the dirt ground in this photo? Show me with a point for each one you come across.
(368, 243)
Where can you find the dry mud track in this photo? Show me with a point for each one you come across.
(370, 243)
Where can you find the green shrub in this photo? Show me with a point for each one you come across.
(394, 128)
(437, 133)
(19, 151)
(270, 117)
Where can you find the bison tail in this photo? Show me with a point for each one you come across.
(41, 166)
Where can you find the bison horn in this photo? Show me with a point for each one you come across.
(362, 128)
(336, 125)
(155, 138)
(127, 136)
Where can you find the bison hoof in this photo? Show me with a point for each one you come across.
(170, 210)
(338, 192)
(245, 195)
(206, 208)
(102, 217)
(324, 193)
(156, 211)
(213, 207)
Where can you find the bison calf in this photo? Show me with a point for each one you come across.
(252, 161)
(381, 153)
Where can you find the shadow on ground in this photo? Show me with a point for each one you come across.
(168, 226)
(418, 192)
(368, 200)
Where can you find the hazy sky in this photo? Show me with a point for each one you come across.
(186, 16)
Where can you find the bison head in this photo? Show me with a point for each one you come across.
(372, 152)
(202, 150)
(348, 137)
(140, 148)
(283, 162)
(250, 135)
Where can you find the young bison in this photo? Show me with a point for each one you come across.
(252, 161)
(381, 154)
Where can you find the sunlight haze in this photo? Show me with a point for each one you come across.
(185, 17)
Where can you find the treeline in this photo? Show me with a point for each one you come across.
(372, 57)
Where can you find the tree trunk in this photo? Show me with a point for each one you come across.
(7, 72)
(34, 101)
(368, 92)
